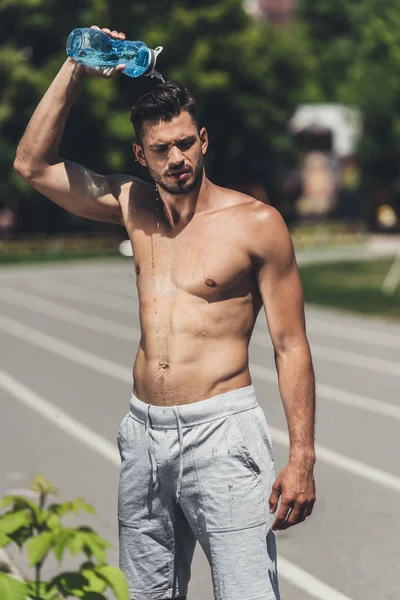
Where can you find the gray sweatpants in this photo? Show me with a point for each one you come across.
(200, 471)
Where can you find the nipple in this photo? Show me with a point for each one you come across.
(210, 282)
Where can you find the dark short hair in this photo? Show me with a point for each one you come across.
(162, 103)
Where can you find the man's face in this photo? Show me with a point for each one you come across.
(173, 152)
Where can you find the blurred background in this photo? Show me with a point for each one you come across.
(300, 100)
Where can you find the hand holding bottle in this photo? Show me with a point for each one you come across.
(106, 72)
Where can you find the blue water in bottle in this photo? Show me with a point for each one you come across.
(94, 48)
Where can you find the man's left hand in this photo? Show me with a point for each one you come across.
(296, 487)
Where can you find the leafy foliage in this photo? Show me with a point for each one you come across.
(357, 45)
(246, 75)
(40, 530)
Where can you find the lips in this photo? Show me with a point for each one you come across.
(178, 175)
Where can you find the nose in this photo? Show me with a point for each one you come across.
(175, 158)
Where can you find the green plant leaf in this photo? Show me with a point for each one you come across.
(6, 501)
(115, 579)
(12, 521)
(42, 485)
(69, 584)
(53, 522)
(46, 591)
(61, 542)
(21, 535)
(55, 508)
(4, 540)
(93, 596)
(12, 589)
(38, 546)
(95, 583)
(21, 502)
(95, 546)
(76, 542)
(80, 504)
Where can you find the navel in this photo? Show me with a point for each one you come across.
(163, 365)
(138, 270)
(210, 282)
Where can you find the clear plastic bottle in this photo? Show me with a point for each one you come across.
(94, 48)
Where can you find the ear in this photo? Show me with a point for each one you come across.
(204, 140)
(139, 154)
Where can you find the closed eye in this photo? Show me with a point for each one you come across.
(159, 148)
(185, 145)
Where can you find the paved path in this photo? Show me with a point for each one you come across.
(68, 340)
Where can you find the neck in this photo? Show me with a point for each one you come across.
(180, 208)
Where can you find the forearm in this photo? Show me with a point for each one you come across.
(40, 144)
(297, 389)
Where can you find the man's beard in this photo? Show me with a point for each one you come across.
(181, 187)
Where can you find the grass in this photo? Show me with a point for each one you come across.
(353, 286)
(45, 257)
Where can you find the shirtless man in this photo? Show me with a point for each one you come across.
(196, 455)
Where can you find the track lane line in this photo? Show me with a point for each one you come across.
(342, 357)
(352, 333)
(384, 409)
(66, 313)
(108, 327)
(123, 374)
(71, 291)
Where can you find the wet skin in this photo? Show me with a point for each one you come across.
(198, 299)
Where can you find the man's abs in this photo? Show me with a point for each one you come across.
(191, 350)
(219, 368)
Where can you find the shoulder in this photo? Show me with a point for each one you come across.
(126, 187)
(266, 232)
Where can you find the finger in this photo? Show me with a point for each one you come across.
(274, 499)
(122, 35)
(118, 69)
(310, 507)
(281, 517)
(95, 27)
(296, 516)
(106, 30)
(114, 33)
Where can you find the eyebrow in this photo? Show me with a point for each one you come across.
(185, 140)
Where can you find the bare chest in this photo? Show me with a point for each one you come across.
(209, 263)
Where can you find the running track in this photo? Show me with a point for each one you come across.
(68, 339)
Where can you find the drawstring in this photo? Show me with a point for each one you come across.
(180, 437)
(150, 445)
(151, 452)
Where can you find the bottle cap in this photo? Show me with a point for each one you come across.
(150, 71)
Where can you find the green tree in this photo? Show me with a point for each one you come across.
(247, 76)
(356, 50)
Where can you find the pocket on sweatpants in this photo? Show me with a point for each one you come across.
(134, 474)
(231, 489)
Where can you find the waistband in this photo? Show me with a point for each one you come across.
(216, 407)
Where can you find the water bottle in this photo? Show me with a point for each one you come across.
(94, 48)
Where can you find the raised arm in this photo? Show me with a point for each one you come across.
(70, 185)
(281, 291)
